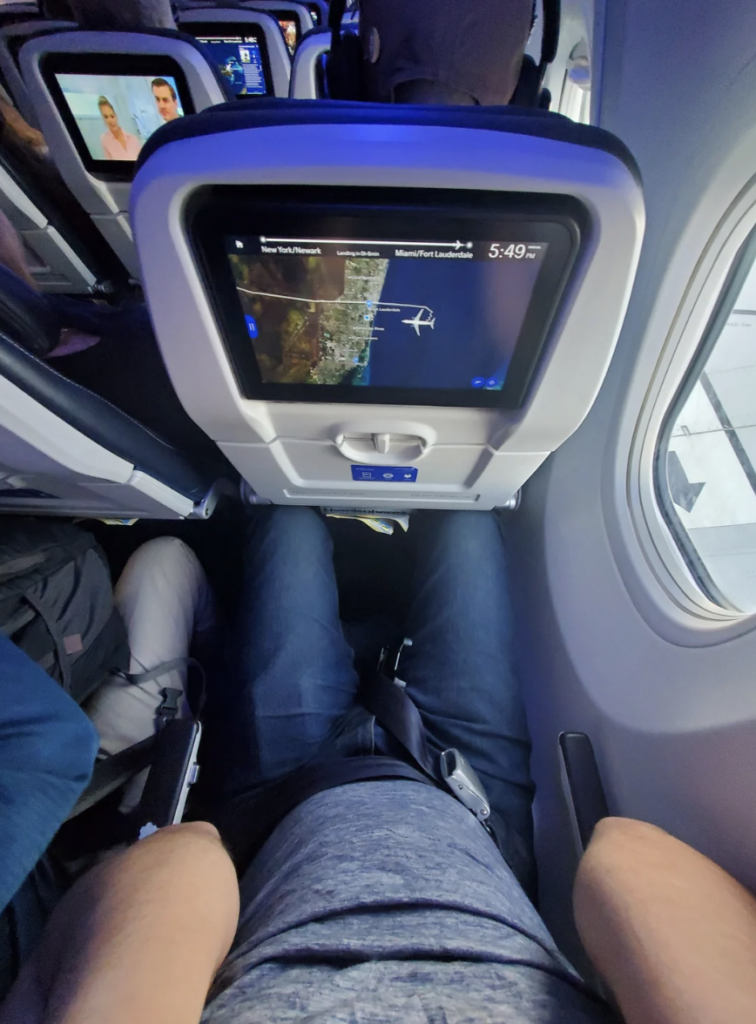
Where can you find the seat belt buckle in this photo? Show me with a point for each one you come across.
(169, 707)
(388, 663)
(460, 777)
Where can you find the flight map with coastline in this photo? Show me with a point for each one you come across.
(384, 314)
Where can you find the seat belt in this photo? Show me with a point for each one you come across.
(383, 695)
(113, 771)
(245, 822)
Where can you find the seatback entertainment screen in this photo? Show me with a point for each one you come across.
(111, 113)
(423, 307)
(374, 313)
(239, 53)
(116, 114)
(290, 28)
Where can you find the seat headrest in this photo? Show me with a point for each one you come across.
(27, 316)
(266, 112)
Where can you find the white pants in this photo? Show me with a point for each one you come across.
(164, 599)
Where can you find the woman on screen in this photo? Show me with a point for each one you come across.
(116, 143)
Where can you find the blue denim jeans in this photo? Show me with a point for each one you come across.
(297, 683)
(47, 750)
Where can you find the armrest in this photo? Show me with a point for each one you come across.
(583, 790)
(173, 771)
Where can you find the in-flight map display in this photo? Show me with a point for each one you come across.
(384, 314)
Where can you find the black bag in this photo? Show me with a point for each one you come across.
(56, 603)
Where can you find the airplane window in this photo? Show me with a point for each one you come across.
(706, 479)
(575, 101)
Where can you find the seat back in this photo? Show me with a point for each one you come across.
(247, 47)
(78, 82)
(387, 307)
(63, 250)
(65, 450)
(55, 258)
(308, 66)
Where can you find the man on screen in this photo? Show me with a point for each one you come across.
(166, 99)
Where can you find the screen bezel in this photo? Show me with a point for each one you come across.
(232, 28)
(433, 215)
(131, 64)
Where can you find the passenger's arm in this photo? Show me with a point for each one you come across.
(672, 934)
(139, 938)
(47, 750)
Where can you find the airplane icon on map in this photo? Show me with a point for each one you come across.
(418, 322)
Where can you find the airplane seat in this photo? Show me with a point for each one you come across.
(98, 96)
(172, 758)
(376, 306)
(27, 316)
(66, 450)
(109, 350)
(308, 68)
(64, 253)
(247, 46)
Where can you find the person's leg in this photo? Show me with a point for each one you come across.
(47, 749)
(164, 599)
(295, 677)
(459, 670)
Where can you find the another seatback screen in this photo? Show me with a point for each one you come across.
(239, 53)
(116, 114)
(415, 308)
(111, 116)
(290, 29)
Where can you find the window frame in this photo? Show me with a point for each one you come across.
(576, 94)
(664, 590)
(741, 266)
